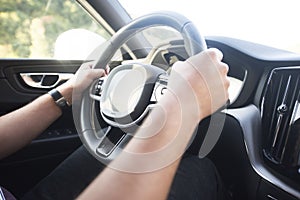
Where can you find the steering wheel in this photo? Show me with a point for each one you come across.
(126, 95)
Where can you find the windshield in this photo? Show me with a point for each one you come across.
(269, 22)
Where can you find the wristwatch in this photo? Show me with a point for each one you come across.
(59, 99)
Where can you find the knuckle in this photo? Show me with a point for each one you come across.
(226, 68)
(227, 83)
(212, 54)
(223, 68)
(215, 54)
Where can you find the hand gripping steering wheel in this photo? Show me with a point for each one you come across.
(127, 91)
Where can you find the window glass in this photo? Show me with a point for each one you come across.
(269, 22)
(58, 29)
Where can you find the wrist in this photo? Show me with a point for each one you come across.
(186, 108)
(59, 99)
(66, 91)
(181, 109)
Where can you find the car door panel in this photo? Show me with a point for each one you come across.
(23, 169)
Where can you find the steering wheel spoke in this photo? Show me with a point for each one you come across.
(110, 141)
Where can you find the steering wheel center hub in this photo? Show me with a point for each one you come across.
(127, 92)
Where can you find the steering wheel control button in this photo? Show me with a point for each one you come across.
(98, 87)
(163, 90)
(160, 87)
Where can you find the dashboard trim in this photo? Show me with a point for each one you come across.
(250, 121)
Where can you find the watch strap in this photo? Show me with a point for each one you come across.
(59, 99)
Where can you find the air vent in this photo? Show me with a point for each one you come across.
(280, 117)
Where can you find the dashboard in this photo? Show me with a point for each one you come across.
(258, 153)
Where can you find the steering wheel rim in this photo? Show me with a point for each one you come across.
(84, 117)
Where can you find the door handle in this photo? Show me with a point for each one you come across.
(45, 80)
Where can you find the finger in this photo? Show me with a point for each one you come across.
(86, 65)
(96, 73)
(225, 68)
(107, 70)
(214, 52)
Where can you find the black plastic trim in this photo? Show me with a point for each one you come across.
(250, 122)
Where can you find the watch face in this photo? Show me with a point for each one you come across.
(61, 102)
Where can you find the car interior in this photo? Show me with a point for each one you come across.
(257, 149)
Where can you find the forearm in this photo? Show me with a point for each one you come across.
(18, 128)
(21, 126)
(113, 184)
(161, 141)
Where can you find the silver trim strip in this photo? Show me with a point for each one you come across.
(29, 79)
